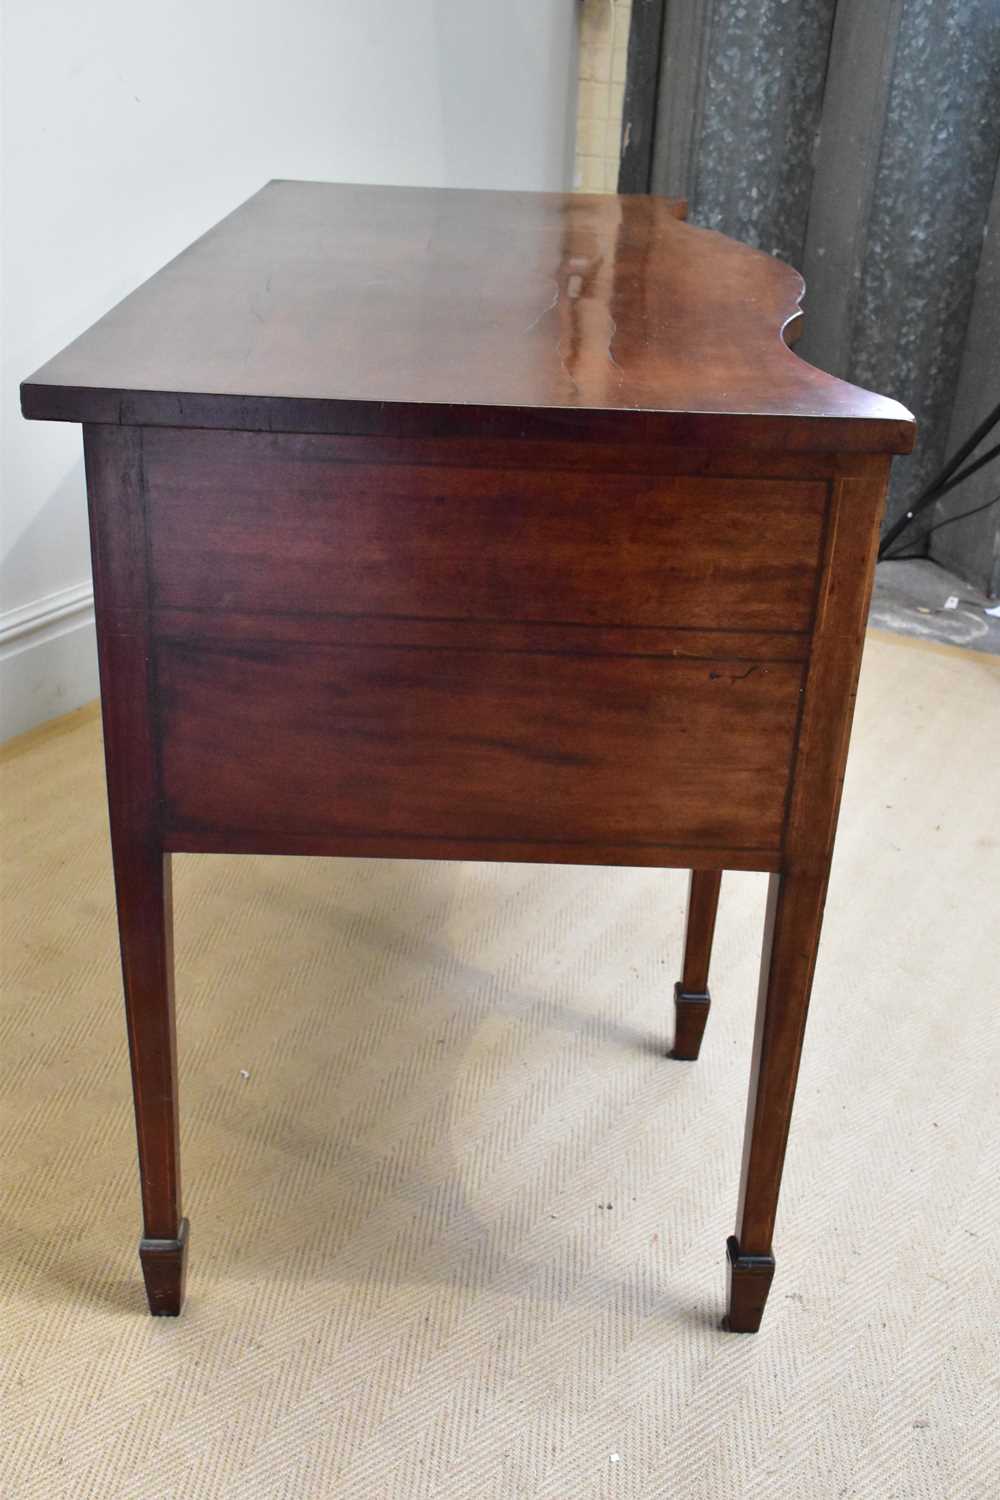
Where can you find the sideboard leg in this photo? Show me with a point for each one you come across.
(116, 496)
(791, 937)
(692, 1000)
(145, 926)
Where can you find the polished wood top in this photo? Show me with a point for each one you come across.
(413, 311)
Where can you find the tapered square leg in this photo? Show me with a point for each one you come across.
(144, 918)
(142, 869)
(692, 1000)
(796, 896)
(791, 937)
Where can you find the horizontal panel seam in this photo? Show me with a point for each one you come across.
(371, 461)
(234, 646)
(159, 611)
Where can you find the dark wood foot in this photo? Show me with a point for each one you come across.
(164, 1268)
(690, 1015)
(750, 1278)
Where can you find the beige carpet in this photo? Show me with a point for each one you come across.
(457, 1225)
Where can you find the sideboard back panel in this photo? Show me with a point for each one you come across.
(265, 522)
(475, 744)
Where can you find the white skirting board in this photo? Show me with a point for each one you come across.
(48, 659)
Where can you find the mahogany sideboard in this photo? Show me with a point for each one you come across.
(470, 525)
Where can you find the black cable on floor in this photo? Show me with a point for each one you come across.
(948, 521)
(946, 479)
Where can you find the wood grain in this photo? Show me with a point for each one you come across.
(797, 895)
(341, 308)
(477, 746)
(142, 869)
(245, 521)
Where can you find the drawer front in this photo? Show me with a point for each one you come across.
(475, 745)
(258, 522)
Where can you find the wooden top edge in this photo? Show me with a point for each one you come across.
(353, 309)
(750, 430)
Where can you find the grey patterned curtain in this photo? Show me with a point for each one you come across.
(858, 140)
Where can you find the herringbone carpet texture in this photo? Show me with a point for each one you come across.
(457, 1224)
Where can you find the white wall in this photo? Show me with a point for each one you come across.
(129, 128)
